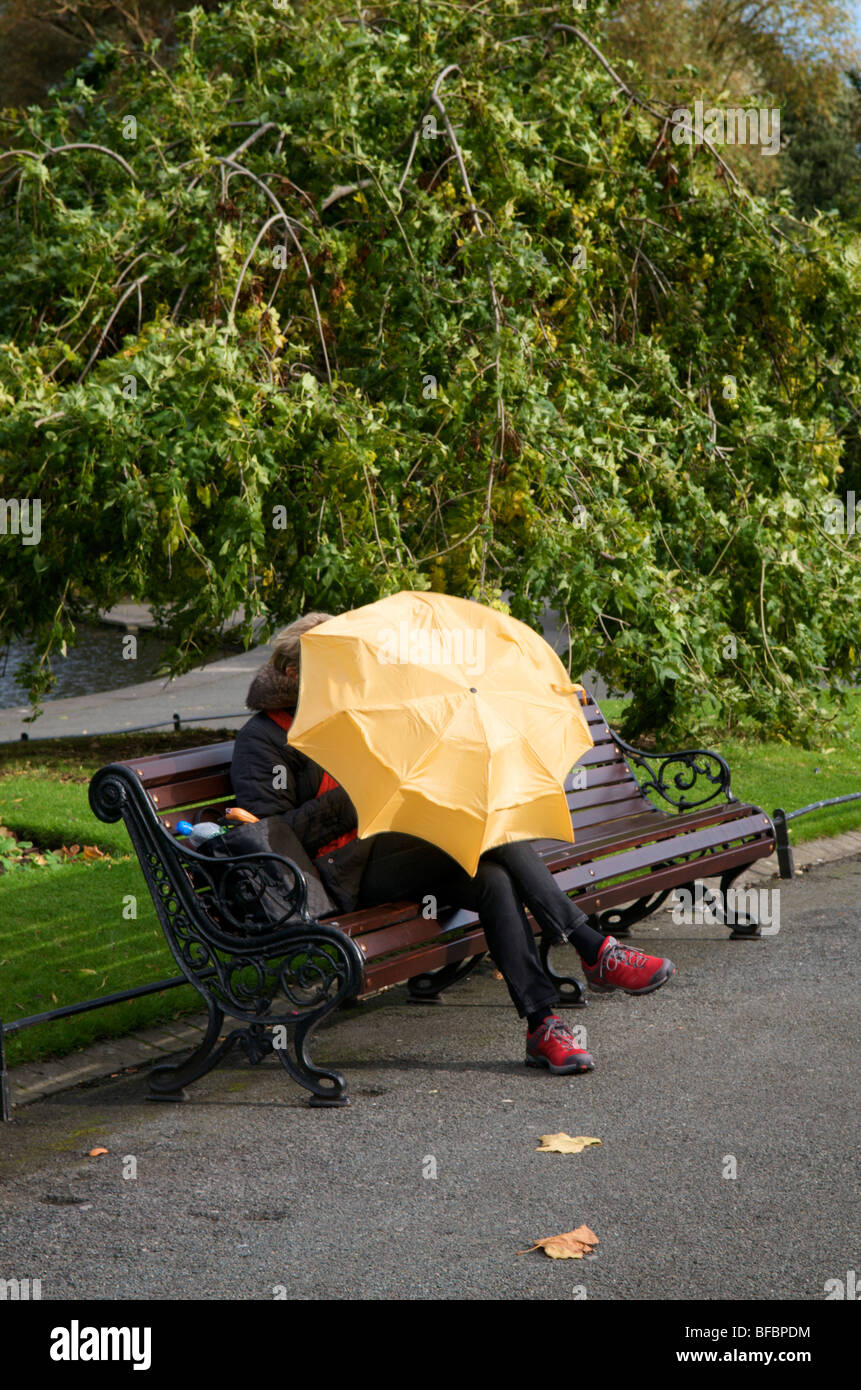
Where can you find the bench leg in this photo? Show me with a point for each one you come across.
(427, 988)
(745, 927)
(571, 992)
(617, 921)
(166, 1082)
(294, 1058)
(323, 968)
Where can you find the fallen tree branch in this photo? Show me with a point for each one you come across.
(498, 455)
(267, 191)
(343, 190)
(134, 286)
(634, 96)
(78, 145)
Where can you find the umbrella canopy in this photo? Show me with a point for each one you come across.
(443, 719)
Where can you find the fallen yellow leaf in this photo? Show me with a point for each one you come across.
(571, 1245)
(94, 1153)
(564, 1143)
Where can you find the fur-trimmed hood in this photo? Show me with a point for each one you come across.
(273, 689)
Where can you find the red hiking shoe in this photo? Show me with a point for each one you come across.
(625, 968)
(553, 1045)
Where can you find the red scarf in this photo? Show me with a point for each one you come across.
(327, 784)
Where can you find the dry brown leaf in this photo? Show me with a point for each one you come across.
(94, 1153)
(565, 1143)
(571, 1245)
(93, 852)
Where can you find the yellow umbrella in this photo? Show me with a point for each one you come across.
(443, 719)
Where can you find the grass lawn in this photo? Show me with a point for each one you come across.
(63, 938)
(63, 933)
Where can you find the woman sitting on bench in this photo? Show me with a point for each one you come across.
(270, 777)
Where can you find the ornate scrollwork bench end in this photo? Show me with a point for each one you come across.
(278, 981)
(678, 777)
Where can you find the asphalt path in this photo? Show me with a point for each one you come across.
(243, 1192)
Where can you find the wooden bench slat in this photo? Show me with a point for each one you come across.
(607, 775)
(589, 850)
(655, 880)
(169, 796)
(590, 820)
(601, 753)
(658, 825)
(394, 971)
(692, 843)
(371, 919)
(159, 769)
(416, 931)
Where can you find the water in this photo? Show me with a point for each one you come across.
(96, 663)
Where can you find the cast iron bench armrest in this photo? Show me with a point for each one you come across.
(117, 793)
(691, 765)
(287, 975)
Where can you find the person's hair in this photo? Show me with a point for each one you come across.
(285, 649)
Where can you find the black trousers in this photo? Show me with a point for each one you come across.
(401, 866)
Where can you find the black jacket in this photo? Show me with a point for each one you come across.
(269, 778)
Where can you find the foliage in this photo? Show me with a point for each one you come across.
(824, 165)
(328, 308)
(21, 854)
(795, 56)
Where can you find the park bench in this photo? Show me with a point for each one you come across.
(636, 841)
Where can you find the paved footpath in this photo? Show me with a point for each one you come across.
(744, 1062)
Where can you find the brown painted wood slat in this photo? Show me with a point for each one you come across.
(654, 881)
(694, 842)
(158, 769)
(371, 919)
(169, 796)
(417, 931)
(601, 753)
(591, 822)
(400, 968)
(604, 785)
(640, 829)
